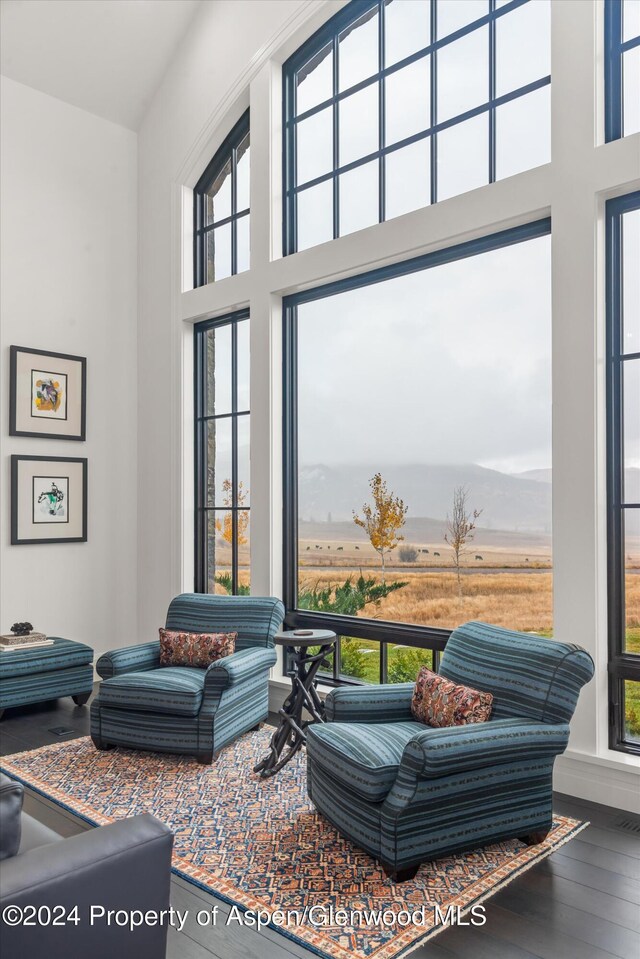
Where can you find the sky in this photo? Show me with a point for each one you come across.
(448, 365)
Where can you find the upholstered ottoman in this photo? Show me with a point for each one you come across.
(47, 672)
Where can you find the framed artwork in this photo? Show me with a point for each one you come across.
(48, 499)
(47, 394)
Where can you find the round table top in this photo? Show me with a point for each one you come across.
(313, 637)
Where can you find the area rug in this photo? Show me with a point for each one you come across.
(260, 845)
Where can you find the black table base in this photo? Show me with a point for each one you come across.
(289, 737)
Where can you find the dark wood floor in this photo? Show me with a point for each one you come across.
(580, 903)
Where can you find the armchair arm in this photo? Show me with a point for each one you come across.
(438, 752)
(369, 704)
(125, 865)
(237, 668)
(129, 659)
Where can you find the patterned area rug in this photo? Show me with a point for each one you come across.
(260, 844)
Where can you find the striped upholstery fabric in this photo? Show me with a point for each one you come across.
(363, 758)
(255, 620)
(529, 676)
(129, 659)
(173, 689)
(62, 655)
(457, 788)
(370, 704)
(182, 709)
(40, 687)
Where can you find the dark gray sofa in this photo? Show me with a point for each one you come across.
(122, 866)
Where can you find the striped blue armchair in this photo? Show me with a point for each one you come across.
(179, 709)
(408, 793)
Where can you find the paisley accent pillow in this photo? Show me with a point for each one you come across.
(439, 702)
(194, 649)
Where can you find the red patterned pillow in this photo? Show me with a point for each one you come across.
(439, 702)
(194, 649)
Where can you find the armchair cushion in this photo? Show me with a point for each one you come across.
(439, 702)
(441, 752)
(364, 758)
(173, 689)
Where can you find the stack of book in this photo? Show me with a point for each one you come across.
(12, 644)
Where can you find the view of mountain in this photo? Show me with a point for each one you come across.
(508, 502)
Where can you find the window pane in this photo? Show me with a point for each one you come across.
(407, 28)
(360, 659)
(359, 200)
(358, 51)
(631, 90)
(244, 473)
(315, 215)
(407, 96)
(314, 140)
(244, 551)
(219, 491)
(219, 252)
(632, 579)
(219, 551)
(243, 365)
(632, 710)
(463, 74)
(315, 80)
(631, 392)
(217, 397)
(358, 118)
(523, 133)
(631, 283)
(218, 196)
(454, 14)
(463, 157)
(523, 46)
(243, 238)
(408, 178)
(478, 333)
(630, 19)
(404, 662)
(242, 168)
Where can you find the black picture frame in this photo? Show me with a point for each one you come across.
(14, 399)
(16, 539)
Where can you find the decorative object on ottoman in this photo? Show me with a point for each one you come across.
(408, 793)
(185, 709)
(60, 668)
(438, 702)
(194, 649)
(48, 499)
(47, 394)
(23, 637)
(258, 844)
(289, 737)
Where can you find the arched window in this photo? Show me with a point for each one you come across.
(221, 210)
(396, 104)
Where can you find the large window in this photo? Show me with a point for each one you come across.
(418, 450)
(221, 217)
(395, 104)
(622, 77)
(222, 450)
(623, 307)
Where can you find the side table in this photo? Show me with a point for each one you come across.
(289, 737)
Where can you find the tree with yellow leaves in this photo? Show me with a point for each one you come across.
(225, 527)
(382, 521)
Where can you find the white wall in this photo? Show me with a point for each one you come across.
(68, 284)
(232, 56)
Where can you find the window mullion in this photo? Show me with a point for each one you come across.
(492, 93)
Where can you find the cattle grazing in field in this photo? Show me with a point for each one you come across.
(340, 548)
(478, 556)
(436, 554)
